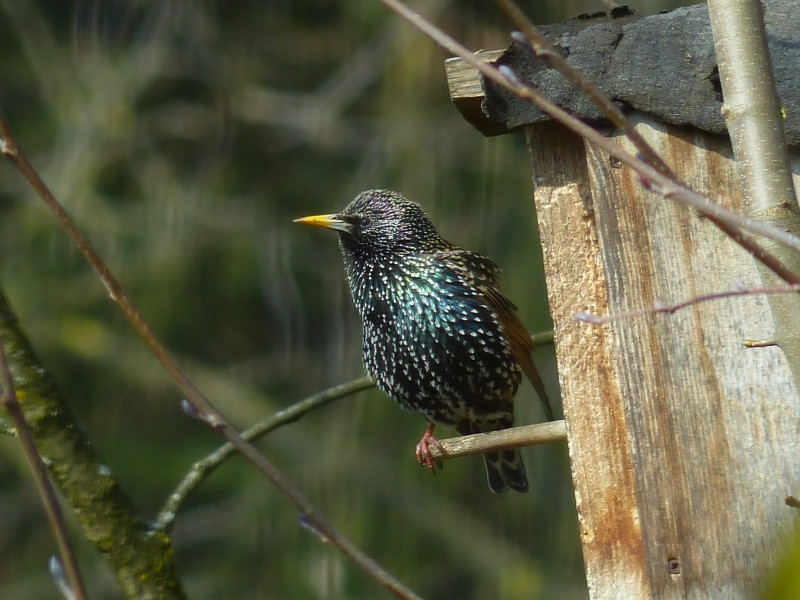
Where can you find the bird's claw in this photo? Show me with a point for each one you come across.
(425, 457)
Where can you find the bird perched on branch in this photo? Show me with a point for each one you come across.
(439, 335)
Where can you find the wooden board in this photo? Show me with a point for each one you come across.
(683, 442)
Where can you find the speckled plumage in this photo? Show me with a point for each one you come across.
(439, 335)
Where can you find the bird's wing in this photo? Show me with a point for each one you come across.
(481, 273)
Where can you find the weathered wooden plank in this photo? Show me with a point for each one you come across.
(466, 91)
(683, 442)
(600, 454)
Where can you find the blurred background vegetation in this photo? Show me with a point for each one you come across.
(183, 137)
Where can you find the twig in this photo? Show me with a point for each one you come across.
(515, 437)
(201, 470)
(748, 343)
(539, 45)
(655, 180)
(542, 338)
(671, 308)
(69, 564)
(203, 407)
(792, 501)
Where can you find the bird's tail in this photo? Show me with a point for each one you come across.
(504, 470)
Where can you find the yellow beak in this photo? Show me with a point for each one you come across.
(327, 221)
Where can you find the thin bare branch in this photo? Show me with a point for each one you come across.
(542, 338)
(515, 437)
(55, 516)
(748, 343)
(672, 308)
(654, 179)
(540, 46)
(202, 469)
(210, 415)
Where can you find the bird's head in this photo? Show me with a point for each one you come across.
(380, 220)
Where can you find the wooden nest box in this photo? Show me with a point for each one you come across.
(683, 428)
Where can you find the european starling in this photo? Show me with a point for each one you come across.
(439, 335)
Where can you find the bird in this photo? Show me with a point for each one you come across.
(439, 336)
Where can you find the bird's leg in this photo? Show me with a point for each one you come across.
(424, 456)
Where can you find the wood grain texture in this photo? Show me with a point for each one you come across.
(683, 442)
(466, 91)
(600, 455)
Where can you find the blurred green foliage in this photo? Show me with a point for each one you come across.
(183, 137)
(784, 583)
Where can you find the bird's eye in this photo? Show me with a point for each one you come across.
(366, 221)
